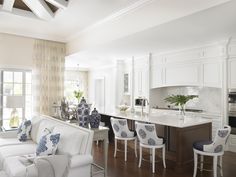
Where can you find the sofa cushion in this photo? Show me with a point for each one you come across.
(13, 141)
(24, 130)
(70, 141)
(44, 124)
(48, 144)
(16, 150)
(35, 121)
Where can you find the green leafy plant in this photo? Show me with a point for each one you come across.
(78, 94)
(180, 100)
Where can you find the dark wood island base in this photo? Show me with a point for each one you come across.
(180, 143)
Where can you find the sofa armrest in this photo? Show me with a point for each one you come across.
(8, 134)
(80, 160)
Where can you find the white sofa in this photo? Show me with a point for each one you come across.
(74, 150)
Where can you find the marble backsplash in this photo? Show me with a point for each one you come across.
(209, 99)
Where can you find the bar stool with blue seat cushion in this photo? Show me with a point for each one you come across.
(122, 132)
(148, 139)
(214, 149)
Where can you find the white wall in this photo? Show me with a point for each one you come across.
(16, 51)
(109, 75)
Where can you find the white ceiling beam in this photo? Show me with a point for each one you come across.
(8, 5)
(59, 3)
(40, 9)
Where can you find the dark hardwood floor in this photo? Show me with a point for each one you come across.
(117, 167)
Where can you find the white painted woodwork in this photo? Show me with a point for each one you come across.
(8, 5)
(182, 75)
(156, 77)
(141, 77)
(40, 9)
(232, 50)
(200, 66)
(212, 74)
(232, 73)
(59, 3)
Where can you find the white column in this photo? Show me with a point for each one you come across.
(132, 86)
(119, 81)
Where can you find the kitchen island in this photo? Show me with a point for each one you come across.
(179, 132)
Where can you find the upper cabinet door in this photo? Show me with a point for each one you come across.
(232, 73)
(141, 78)
(156, 77)
(212, 73)
(187, 74)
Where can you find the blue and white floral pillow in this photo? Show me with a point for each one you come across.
(24, 131)
(48, 144)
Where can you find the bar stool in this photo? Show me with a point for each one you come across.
(214, 149)
(122, 132)
(149, 139)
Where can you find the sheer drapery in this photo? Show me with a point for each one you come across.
(48, 75)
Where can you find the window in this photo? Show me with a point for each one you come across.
(75, 80)
(15, 83)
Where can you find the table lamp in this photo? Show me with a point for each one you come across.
(14, 102)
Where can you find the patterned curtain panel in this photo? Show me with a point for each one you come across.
(48, 75)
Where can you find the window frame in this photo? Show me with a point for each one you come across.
(23, 71)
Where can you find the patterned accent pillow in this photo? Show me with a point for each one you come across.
(24, 131)
(48, 144)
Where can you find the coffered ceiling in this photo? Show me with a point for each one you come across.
(44, 9)
(55, 19)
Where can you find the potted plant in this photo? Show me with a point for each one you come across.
(180, 100)
(78, 94)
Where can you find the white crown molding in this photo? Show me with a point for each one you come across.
(113, 17)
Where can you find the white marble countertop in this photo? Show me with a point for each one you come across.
(167, 120)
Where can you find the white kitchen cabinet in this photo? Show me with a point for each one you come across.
(156, 77)
(212, 73)
(187, 74)
(141, 78)
(232, 50)
(232, 73)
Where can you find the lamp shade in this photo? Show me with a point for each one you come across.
(15, 102)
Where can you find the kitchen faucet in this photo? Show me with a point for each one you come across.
(143, 102)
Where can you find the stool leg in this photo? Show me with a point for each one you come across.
(215, 166)
(140, 156)
(164, 156)
(125, 150)
(195, 165)
(202, 159)
(153, 160)
(221, 167)
(135, 147)
(115, 147)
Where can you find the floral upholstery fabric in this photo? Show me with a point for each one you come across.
(219, 142)
(147, 134)
(120, 128)
(24, 130)
(48, 144)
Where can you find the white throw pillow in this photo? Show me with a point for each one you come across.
(48, 144)
(24, 130)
